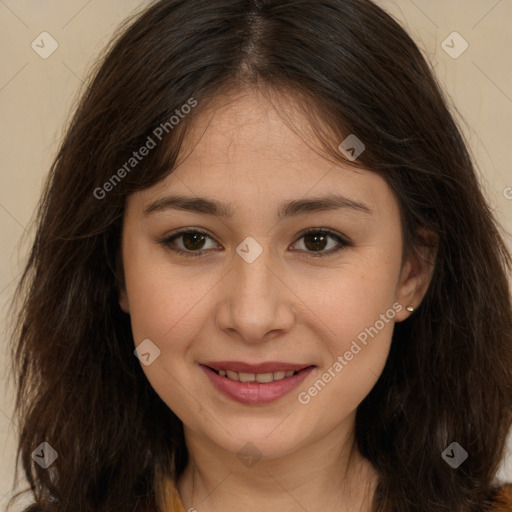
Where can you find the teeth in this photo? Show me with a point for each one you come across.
(232, 375)
(262, 378)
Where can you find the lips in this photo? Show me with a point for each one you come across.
(268, 367)
(255, 383)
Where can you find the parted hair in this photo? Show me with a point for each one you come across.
(356, 71)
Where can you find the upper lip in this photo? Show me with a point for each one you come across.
(268, 367)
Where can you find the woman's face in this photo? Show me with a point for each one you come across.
(263, 292)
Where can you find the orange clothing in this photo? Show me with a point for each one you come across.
(173, 498)
(502, 502)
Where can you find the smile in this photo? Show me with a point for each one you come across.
(262, 378)
(259, 386)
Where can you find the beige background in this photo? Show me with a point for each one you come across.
(36, 96)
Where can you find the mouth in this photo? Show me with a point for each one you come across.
(262, 378)
(255, 384)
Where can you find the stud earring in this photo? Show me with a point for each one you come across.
(410, 308)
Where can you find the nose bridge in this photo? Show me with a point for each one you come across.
(256, 301)
(254, 279)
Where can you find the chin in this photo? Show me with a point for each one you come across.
(260, 440)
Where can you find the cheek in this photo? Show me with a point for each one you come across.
(359, 310)
(166, 309)
(356, 297)
(356, 353)
(170, 308)
(163, 302)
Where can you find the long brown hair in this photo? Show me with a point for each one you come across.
(447, 377)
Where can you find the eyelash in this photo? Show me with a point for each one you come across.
(343, 243)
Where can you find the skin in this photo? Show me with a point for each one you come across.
(284, 306)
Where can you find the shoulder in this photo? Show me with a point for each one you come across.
(502, 501)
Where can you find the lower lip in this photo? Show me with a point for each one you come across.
(255, 392)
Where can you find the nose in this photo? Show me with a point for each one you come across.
(257, 303)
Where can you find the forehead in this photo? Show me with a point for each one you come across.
(247, 124)
(247, 149)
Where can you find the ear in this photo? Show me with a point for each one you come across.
(123, 300)
(121, 285)
(417, 271)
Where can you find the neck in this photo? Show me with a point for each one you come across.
(329, 474)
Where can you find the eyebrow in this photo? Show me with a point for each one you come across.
(294, 208)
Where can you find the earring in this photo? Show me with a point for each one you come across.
(410, 308)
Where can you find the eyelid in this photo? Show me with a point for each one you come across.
(343, 242)
(166, 241)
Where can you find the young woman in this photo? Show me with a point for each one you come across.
(264, 277)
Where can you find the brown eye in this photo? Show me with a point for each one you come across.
(190, 243)
(316, 241)
(193, 240)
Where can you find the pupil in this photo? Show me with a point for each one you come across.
(312, 241)
(195, 238)
(319, 237)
